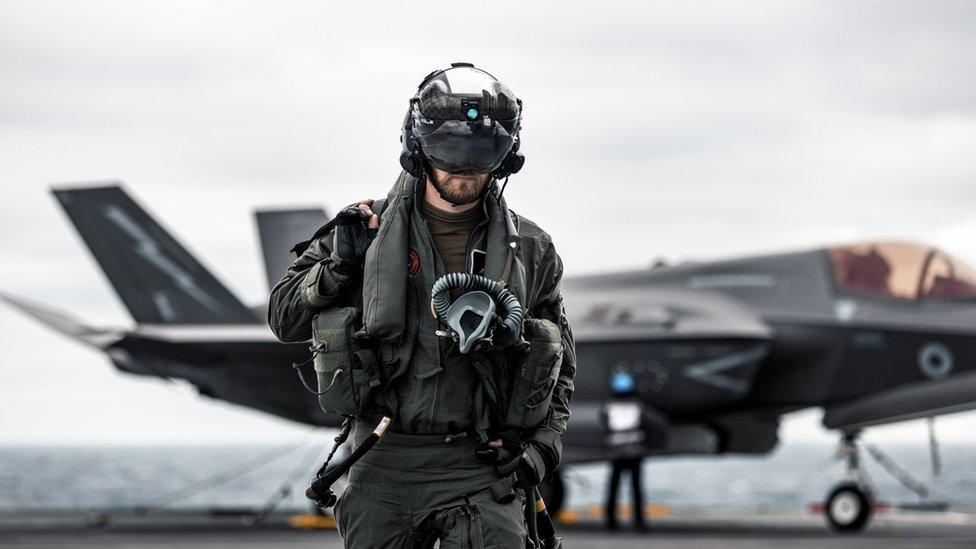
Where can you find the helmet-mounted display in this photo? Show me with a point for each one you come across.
(462, 120)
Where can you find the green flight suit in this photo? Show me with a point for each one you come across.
(424, 475)
(414, 486)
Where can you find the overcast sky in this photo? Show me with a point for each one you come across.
(684, 130)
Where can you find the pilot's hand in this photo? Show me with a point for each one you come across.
(355, 228)
(523, 458)
(531, 467)
(374, 220)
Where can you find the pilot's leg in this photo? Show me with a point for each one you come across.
(365, 522)
(610, 513)
(482, 523)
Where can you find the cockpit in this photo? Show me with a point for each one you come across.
(901, 270)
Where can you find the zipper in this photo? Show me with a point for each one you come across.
(467, 251)
(438, 266)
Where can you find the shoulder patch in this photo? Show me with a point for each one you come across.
(413, 266)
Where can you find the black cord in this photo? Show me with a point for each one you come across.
(315, 349)
(339, 440)
(531, 517)
(498, 196)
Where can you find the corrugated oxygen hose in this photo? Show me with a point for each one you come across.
(440, 295)
(531, 516)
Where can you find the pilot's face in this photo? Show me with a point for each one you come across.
(460, 188)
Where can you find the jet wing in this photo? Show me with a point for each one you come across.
(917, 400)
(242, 364)
(60, 321)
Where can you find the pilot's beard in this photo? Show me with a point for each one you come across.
(463, 193)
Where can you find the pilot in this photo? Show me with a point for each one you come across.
(451, 465)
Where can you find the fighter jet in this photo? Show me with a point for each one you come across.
(696, 358)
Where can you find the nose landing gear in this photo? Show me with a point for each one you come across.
(848, 508)
(850, 504)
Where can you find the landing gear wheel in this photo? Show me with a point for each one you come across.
(553, 492)
(848, 508)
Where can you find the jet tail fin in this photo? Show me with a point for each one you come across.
(64, 323)
(157, 279)
(279, 230)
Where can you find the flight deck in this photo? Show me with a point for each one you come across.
(687, 529)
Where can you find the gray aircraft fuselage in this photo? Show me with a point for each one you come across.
(720, 349)
(724, 348)
(716, 352)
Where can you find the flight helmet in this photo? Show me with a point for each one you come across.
(462, 119)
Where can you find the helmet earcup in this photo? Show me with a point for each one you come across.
(511, 165)
(515, 161)
(410, 162)
(410, 159)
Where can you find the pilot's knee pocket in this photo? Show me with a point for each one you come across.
(500, 525)
(349, 507)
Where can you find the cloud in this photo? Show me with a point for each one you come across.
(677, 130)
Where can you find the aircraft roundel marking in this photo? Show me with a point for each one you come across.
(935, 360)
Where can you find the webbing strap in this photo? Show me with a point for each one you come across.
(513, 240)
(368, 359)
(483, 367)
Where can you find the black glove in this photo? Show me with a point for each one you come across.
(351, 240)
(541, 455)
(522, 457)
(531, 467)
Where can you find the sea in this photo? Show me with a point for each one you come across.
(264, 477)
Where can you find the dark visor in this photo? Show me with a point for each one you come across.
(463, 146)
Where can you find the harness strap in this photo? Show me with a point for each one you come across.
(299, 248)
(482, 365)
(502, 491)
(368, 359)
(513, 240)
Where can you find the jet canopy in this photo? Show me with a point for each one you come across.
(901, 270)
